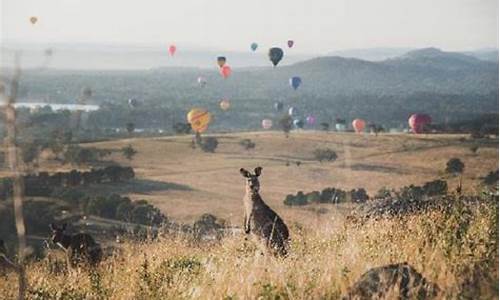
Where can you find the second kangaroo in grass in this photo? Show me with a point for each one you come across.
(260, 219)
(79, 247)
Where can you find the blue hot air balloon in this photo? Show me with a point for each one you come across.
(254, 46)
(295, 82)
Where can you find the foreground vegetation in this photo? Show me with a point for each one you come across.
(454, 245)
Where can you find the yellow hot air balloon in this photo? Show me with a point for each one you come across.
(199, 119)
(225, 104)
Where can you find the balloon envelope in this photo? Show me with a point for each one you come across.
(292, 111)
(295, 82)
(172, 50)
(267, 124)
(254, 46)
(290, 43)
(298, 123)
(33, 20)
(275, 55)
(221, 61)
(418, 121)
(133, 102)
(199, 119)
(224, 104)
(225, 71)
(340, 127)
(311, 120)
(358, 125)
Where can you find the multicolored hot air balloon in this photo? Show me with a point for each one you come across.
(221, 61)
(275, 55)
(290, 43)
(33, 20)
(292, 111)
(311, 120)
(172, 49)
(199, 119)
(254, 46)
(358, 125)
(267, 124)
(225, 71)
(224, 104)
(202, 81)
(418, 122)
(278, 106)
(295, 82)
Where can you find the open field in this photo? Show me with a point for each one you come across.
(186, 183)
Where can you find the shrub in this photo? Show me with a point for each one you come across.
(247, 144)
(383, 193)
(182, 128)
(129, 152)
(325, 154)
(299, 199)
(359, 195)
(286, 124)
(209, 144)
(491, 178)
(455, 166)
(313, 197)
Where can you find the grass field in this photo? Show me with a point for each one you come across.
(456, 249)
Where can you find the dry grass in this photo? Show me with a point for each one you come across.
(456, 249)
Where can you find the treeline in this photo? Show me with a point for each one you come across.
(43, 184)
(335, 195)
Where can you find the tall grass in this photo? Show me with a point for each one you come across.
(455, 247)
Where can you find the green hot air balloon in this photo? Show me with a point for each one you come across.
(275, 55)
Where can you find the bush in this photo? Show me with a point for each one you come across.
(359, 195)
(325, 154)
(455, 166)
(129, 152)
(298, 200)
(286, 124)
(209, 144)
(313, 197)
(491, 178)
(247, 144)
(383, 193)
(182, 128)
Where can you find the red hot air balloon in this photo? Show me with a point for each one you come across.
(358, 125)
(172, 50)
(418, 121)
(225, 71)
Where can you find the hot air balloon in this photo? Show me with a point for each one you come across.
(292, 111)
(275, 55)
(358, 125)
(417, 122)
(267, 124)
(224, 104)
(290, 43)
(225, 71)
(311, 120)
(254, 46)
(340, 127)
(278, 106)
(33, 20)
(199, 119)
(202, 81)
(133, 103)
(298, 123)
(295, 82)
(172, 50)
(221, 61)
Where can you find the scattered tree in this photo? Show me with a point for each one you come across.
(130, 127)
(129, 152)
(286, 124)
(455, 166)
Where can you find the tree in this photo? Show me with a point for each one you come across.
(209, 144)
(247, 144)
(286, 124)
(129, 152)
(182, 128)
(130, 127)
(455, 166)
(325, 126)
(325, 154)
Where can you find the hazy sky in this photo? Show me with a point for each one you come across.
(316, 26)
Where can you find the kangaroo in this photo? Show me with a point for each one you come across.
(395, 281)
(78, 247)
(260, 219)
(5, 262)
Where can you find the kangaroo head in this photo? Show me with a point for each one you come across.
(57, 233)
(252, 180)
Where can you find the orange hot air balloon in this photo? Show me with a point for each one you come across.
(199, 119)
(225, 104)
(172, 50)
(225, 71)
(33, 20)
(358, 125)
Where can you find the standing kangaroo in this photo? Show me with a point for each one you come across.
(260, 219)
(78, 247)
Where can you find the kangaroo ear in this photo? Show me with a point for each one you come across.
(258, 171)
(244, 172)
